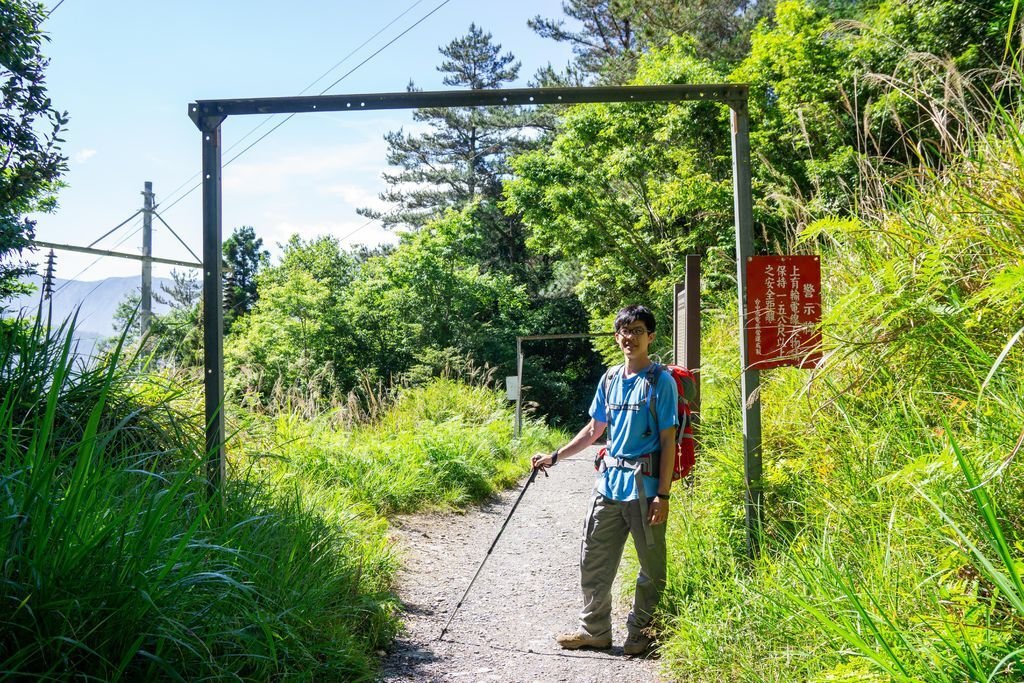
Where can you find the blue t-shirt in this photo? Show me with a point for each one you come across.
(632, 431)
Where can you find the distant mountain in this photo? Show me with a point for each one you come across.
(96, 303)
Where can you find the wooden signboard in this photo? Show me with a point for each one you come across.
(783, 311)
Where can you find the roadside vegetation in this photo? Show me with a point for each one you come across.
(893, 542)
(119, 565)
(893, 538)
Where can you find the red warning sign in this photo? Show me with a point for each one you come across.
(783, 311)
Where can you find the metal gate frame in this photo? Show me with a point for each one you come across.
(208, 115)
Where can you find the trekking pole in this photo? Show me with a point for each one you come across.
(533, 475)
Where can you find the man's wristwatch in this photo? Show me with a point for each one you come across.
(664, 496)
(554, 456)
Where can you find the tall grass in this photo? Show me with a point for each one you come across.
(115, 567)
(444, 444)
(893, 537)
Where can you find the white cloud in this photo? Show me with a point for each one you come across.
(358, 196)
(83, 156)
(363, 159)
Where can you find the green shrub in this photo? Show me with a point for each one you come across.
(892, 544)
(444, 445)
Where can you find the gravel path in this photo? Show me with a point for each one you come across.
(527, 592)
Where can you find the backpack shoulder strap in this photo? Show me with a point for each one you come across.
(609, 375)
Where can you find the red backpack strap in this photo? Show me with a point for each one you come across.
(652, 386)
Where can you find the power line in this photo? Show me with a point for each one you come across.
(108, 232)
(303, 91)
(322, 92)
(54, 9)
(387, 45)
(372, 220)
(361, 46)
(161, 219)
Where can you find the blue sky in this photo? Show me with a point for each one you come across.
(126, 71)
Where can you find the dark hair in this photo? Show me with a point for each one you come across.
(630, 314)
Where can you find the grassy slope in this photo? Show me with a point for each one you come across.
(893, 541)
(115, 565)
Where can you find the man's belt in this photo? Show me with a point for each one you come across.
(639, 466)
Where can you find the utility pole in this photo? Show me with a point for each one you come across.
(147, 255)
(48, 277)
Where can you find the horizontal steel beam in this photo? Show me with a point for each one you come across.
(118, 254)
(585, 335)
(218, 109)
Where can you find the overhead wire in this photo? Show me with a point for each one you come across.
(262, 137)
(322, 92)
(97, 260)
(367, 223)
(304, 90)
(188, 248)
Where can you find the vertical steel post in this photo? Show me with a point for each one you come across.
(691, 344)
(519, 393)
(743, 203)
(147, 253)
(213, 316)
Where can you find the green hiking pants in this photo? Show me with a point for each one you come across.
(607, 525)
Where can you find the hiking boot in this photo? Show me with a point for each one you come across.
(574, 641)
(636, 644)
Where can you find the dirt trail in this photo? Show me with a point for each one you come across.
(527, 592)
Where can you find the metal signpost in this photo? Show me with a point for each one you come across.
(678, 323)
(686, 330)
(743, 203)
(208, 115)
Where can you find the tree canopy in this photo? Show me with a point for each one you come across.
(462, 157)
(31, 163)
(515, 234)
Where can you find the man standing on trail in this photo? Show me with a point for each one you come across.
(637, 402)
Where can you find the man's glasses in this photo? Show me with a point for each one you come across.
(632, 331)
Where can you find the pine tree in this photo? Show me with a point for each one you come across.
(183, 293)
(606, 46)
(720, 28)
(244, 255)
(615, 32)
(463, 157)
